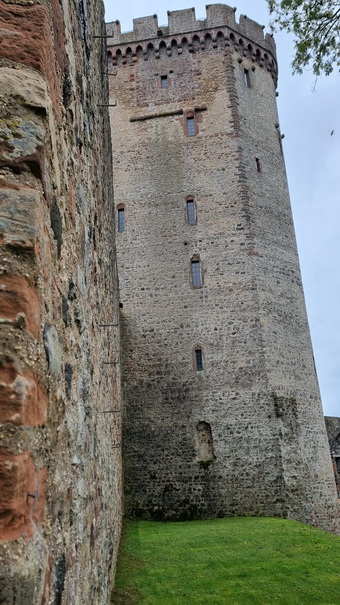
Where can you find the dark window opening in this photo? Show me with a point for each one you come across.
(258, 165)
(164, 81)
(191, 212)
(121, 219)
(199, 359)
(191, 127)
(196, 273)
(247, 78)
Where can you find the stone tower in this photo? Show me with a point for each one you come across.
(222, 409)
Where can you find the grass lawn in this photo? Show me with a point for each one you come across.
(233, 561)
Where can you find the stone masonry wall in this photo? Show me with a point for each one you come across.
(60, 462)
(333, 433)
(245, 434)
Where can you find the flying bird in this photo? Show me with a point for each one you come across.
(332, 133)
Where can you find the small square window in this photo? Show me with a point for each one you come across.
(164, 81)
(191, 128)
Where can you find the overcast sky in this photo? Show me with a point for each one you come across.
(308, 115)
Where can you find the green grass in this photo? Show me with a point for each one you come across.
(235, 561)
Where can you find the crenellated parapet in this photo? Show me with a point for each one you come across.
(185, 33)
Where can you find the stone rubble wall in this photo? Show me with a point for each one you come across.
(333, 433)
(332, 428)
(245, 436)
(60, 461)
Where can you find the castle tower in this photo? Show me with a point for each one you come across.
(222, 409)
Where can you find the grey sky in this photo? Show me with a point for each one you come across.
(307, 119)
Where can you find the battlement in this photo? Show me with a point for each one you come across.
(184, 21)
(185, 32)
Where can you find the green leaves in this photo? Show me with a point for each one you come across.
(316, 27)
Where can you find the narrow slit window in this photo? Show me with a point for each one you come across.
(191, 128)
(164, 82)
(196, 273)
(258, 165)
(246, 78)
(121, 219)
(199, 359)
(191, 212)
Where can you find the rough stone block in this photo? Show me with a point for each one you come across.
(19, 303)
(26, 85)
(21, 218)
(17, 590)
(22, 496)
(31, 45)
(53, 348)
(20, 138)
(23, 399)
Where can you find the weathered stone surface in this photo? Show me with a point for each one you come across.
(21, 223)
(54, 351)
(17, 590)
(332, 427)
(27, 86)
(60, 474)
(23, 569)
(31, 44)
(60, 422)
(333, 433)
(56, 224)
(245, 434)
(22, 497)
(21, 138)
(19, 303)
(23, 399)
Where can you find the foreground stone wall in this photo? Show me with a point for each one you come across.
(244, 434)
(60, 463)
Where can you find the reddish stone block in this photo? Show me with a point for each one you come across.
(20, 303)
(58, 34)
(23, 399)
(22, 495)
(26, 38)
